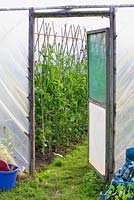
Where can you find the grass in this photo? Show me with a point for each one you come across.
(67, 178)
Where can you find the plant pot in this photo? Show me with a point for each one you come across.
(8, 178)
(130, 154)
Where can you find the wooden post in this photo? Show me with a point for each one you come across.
(112, 91)
(31, 92)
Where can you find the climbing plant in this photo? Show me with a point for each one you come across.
(60, 100)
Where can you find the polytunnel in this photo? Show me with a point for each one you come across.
(110, 80)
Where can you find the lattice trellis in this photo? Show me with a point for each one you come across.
(70, 39)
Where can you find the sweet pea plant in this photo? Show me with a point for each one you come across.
(60, 100)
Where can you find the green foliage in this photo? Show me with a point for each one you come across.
(7, 146)
(120, 192)
(60, 100)
(7, 140)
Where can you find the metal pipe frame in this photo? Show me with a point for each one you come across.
(85, 6)
(69, 7)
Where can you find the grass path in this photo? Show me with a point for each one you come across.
(67, 178)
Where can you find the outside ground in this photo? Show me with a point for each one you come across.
(67, 178)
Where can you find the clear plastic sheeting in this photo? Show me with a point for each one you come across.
(14, 107)
(124, 133)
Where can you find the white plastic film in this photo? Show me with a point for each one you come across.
(124, 134)
(97, 137)
(14, 108)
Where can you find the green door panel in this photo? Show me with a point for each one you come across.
(96, 44)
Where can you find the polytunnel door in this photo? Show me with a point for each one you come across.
(98, 44)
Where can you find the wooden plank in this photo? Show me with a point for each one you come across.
(66, 13)
(31, 92)
(112, 91)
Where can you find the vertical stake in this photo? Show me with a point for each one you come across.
(31, 92)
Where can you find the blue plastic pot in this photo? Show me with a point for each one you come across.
(130, 154)
(8, 179)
